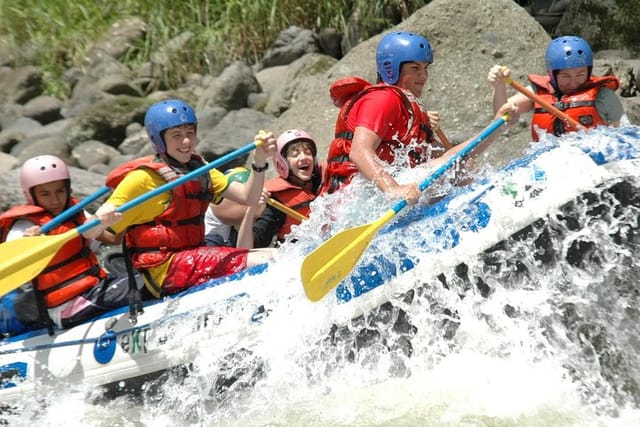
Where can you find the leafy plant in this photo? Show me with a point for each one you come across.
(57, 35)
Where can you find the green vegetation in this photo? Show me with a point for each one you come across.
(56, 35)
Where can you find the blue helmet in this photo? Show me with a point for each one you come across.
(164, 115)
(568, 52)
(398, 47)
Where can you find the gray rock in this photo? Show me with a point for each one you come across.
(20, 85)
(17, 131)
(230, 89)
(134, 143)
(54, 144)
(236, 129)
(291, 44)
(283, 95)
(7, 162)
(44, 109)
(330, 41)
(93, 152)
(118, 84)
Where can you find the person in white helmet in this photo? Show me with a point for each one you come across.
(74, 287)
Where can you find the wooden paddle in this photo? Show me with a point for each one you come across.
(22, 259)
(325, 267)
(535, 98)
(63, 216)
(443, 139)
(286, 209)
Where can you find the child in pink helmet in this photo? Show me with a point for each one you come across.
(75, 288)
(296, 186)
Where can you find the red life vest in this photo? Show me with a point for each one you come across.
(344, 93)
(73, 270)
(180, 226)
(297, 198)
(580, 106)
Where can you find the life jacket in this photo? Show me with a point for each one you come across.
(180, 226)
(297, 198)
(344, 93)
(73, 270)
(580, 106)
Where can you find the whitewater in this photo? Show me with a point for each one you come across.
(537, 329)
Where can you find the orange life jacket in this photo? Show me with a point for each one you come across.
(344, 93)
(73, 270)
(580, 106)
(297, 198)
(180, 226)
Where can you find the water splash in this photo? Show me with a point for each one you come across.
(538, 329)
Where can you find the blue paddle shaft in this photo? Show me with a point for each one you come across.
(73, 210)
(454, 159)
(171, 185)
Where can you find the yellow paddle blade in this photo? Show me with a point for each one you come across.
(325, 267)
(23, 259)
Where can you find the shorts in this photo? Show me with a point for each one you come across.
(196, 266)
(109, 294)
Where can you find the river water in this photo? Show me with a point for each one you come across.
(540, 330)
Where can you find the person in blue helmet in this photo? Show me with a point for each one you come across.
(387, 123)
(165, 235)
(569, 85)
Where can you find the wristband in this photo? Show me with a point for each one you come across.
(259, 168)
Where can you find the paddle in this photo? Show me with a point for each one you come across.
(286, 209)
(22, 259)
(443, 139)
(325, 267)
(535, 98)
(62, 217)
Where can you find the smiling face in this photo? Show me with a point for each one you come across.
(52, 196)
(299, 155)
(180, 141)
(571, 79)
(413, 77)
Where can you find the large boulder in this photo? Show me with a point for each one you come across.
(468, 38)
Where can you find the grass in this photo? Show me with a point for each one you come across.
(56, 35)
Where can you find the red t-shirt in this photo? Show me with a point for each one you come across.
(381, 111)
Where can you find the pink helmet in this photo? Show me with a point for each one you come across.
(286, 137)
(40, 170)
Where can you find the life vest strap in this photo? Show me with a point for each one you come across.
(80, 255)
(338, 159)
(344, 135)
(566, 105)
